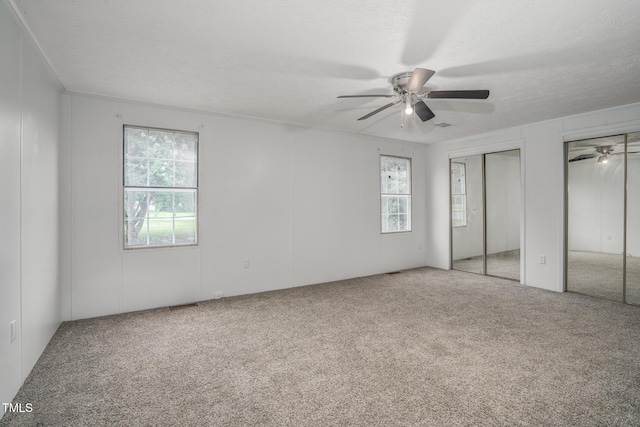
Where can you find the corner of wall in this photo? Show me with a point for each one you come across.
(31, 289)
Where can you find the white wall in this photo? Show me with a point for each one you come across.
(30, 288)
(503, 201)
(633, 205)
(10, 40)
(302, 205)
(596, 205)
(543, 165)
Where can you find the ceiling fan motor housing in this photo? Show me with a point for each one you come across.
(605, 149)
(399, 81)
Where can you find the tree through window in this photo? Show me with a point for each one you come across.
(160, 187)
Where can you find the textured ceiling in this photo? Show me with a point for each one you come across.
(287, 60)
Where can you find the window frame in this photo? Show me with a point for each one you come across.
(196, 190)
(409, 195)
(463, 195)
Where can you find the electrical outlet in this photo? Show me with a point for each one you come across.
(543, 259)
(218, 295)
(245, 263)
(608, 236)
(13, 331)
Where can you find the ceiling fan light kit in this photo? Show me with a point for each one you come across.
(408, 109)
(604, 153)
(408, 89)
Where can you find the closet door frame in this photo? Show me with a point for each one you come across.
(455, 155)
(624, 211)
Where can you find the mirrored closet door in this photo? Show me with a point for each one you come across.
(502, 175)
(602, 228)
(485, 214)
(467, 214)
(633, 220)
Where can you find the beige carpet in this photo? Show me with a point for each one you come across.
(423, 347)
(590, 273)
(501, 264)
(600, 274)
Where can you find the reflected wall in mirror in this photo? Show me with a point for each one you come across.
(633, 219)
(595, 217)
(485, 214)
(467, 214)
(503, 201)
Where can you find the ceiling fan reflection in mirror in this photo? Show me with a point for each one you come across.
(602, 153)
(408, 90)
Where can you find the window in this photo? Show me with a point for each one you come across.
(458, 195)
(395, 194)
(160, 187)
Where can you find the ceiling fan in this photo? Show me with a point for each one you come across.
(602, 153)
(408, 90)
